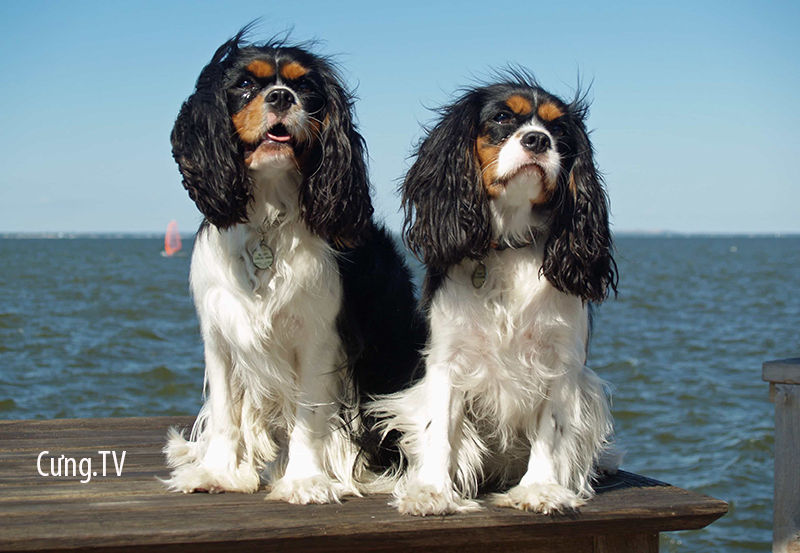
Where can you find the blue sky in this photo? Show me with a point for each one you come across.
(694, 105)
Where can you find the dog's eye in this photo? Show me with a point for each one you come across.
(302, 85)
(245, 82)
(502, 117)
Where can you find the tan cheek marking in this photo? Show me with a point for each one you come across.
(487, 158)
(293, 70)
(261, 69)
(519, 104)
(549, 112)
(249, 121)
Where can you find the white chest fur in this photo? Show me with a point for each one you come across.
(296, 298)
(511, 335)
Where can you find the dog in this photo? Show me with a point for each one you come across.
(505, 207)
(305, 306)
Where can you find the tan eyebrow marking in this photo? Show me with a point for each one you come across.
(519, 104)
(293, 70)
(261, 69)
(549, 111)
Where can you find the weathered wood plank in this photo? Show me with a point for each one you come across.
(135, 510)
(784, 379)
(626, 543)
(783, 371)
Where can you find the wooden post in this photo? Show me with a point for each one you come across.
(784, 390)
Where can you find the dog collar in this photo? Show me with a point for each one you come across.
(479, 274)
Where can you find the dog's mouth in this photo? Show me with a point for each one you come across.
(279, 133)
(529, 169)
(277, 142)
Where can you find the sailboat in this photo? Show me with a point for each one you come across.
(172, 240)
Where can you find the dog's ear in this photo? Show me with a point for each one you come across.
(210, 161)
(578, 255)
(335, 200)
(446, 208)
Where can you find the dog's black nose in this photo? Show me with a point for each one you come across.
(536, 142)
(280, 98)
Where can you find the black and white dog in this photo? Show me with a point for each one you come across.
(506, 208)
(305, 306)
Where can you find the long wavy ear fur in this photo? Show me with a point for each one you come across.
(335, 200)
(210, 162)
(578, 257)
(446, 209)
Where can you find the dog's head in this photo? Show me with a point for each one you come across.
(512, 146)
(273, 107)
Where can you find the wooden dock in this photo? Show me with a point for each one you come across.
(134, 512)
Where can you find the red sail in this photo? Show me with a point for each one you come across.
(172, 240)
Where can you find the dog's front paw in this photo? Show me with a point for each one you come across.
(211, 468)
(422, 500)
(539, 498)
(196, 477)
(302, 491)
(179, 451)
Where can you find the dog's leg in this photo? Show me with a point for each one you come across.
(216, 466)
(305, 479)
(429, 488)
(570, 434)
(541, 489)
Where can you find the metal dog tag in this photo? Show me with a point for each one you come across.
(479, 276)
(263, 256)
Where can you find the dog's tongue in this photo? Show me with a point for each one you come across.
(277, 138)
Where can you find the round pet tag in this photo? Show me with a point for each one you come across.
(263, 256)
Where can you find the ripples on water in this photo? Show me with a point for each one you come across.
(683, 347)
(98, 328)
